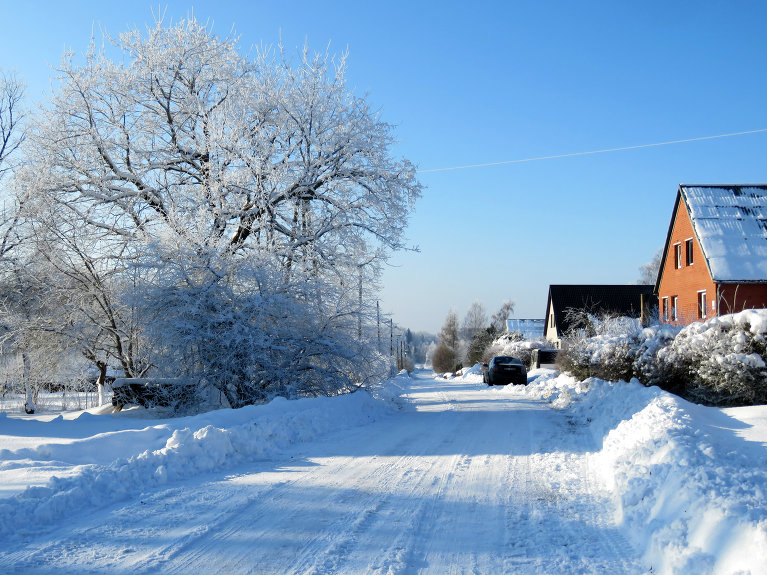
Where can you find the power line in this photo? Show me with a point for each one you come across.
(571, 155)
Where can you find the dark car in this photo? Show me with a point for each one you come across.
(504, 369)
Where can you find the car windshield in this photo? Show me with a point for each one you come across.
(506, 360)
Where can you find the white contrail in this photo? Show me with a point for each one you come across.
(592, 152)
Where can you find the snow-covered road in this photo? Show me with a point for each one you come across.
(463, 479)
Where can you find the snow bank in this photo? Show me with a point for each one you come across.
(690, 488)
(689, 481)
(207, 442)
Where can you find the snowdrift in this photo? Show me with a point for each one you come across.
(689, 485)
(163, 453)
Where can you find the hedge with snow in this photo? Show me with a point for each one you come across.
(722, 361)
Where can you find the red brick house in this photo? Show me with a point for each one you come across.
(715, 258)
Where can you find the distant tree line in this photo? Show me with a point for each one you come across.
(467, 343)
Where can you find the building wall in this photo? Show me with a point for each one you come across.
(737, 297)
(687, 281)
(551, 332)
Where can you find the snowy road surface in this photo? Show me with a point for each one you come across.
(464, 479)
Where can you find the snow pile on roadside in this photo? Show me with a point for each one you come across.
(690, 489)
(473, 373)
(207, 442)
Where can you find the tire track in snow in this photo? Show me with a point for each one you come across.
(374, 480)
(563, 512)
(479, 480)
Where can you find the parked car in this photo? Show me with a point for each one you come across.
(504, 369)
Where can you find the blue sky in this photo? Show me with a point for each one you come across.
(481, 82)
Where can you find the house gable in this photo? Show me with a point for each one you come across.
(684, 279)
(549, 327)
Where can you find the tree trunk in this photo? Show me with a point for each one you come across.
(29, 404)
(100, 381)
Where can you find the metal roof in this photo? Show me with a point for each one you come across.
(730, 222)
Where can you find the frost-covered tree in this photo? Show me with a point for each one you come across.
(12, 136)
(648, 272)
(445, 355)
(474, 321)
(187, 137)
(79, 305)
(11, 117)
(271, 182)
(498, 320)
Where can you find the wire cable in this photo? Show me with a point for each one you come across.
(592, 152)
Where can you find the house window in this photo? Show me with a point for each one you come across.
(674, 309)
(665, 309)
(702, 304)
(688, 249)
(677, 256)
(551, 320)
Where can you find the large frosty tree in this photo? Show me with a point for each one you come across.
(189, 137)
(260, 183)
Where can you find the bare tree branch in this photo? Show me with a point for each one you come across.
(12, 135)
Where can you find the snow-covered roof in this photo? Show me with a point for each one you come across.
(529, 328)
(730, 222)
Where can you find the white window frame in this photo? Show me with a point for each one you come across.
(678, 255)
(665, 308)
(688, 252)
(674, 308)
(702, 304)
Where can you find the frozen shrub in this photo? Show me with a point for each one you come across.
(443, 359)
(602, 347)
(513, 344)
(479, 345)
(606, 357)
(647, 366)
(574, 359)
(731, 379)
(721, 361)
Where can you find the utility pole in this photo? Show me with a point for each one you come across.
(359, 311)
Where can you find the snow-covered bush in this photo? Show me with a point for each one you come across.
(605, 357)
(607, 354)
(242, 330)
(722, 361)
(647, 366)
(512, 343)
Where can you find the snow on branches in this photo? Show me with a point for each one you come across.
(235, 168)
